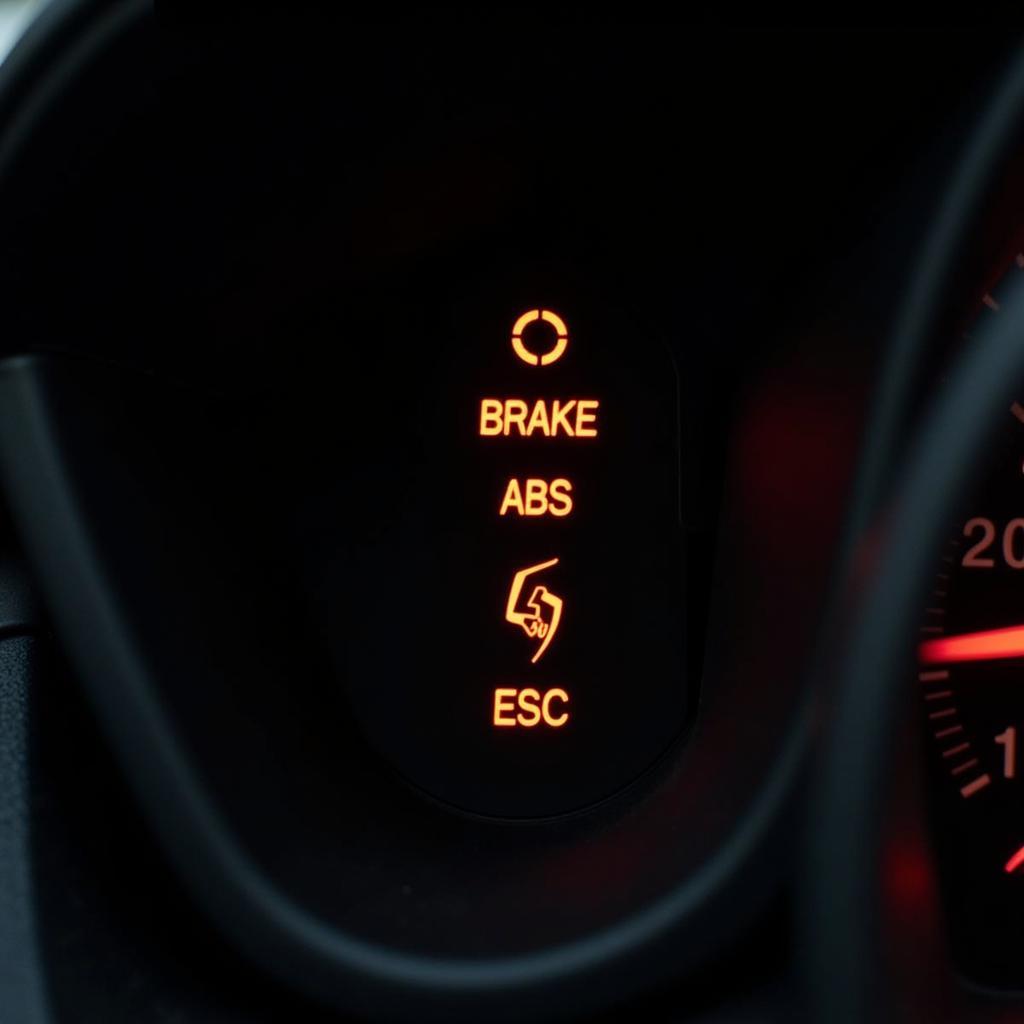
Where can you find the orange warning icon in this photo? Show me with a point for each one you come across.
(543, 610)
(561, 337)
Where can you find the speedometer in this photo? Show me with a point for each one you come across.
(971, 677)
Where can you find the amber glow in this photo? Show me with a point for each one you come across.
(533, 620)
(986, 645)
(529, 707)
(561, 333)
(534, 497)
(575, 417)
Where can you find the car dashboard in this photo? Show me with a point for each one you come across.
(507, 516)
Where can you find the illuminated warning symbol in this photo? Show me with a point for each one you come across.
(543, 610)
(561, 337)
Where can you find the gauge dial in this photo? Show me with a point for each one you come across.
(971, 677)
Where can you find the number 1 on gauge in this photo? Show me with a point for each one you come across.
(1007, 739)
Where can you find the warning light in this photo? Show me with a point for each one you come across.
(533, 621)
(533, 707)
(561, 332)
(536, 497)
(575, 417)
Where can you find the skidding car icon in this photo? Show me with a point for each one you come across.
(534, 620)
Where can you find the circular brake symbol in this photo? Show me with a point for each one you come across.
(561, 332)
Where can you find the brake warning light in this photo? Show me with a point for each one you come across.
(572, 417)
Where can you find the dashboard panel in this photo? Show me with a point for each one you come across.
(436, 452)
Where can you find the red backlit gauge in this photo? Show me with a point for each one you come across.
(970, 675)
(515, 617)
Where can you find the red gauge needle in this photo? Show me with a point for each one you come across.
(1015, 861)
(986, 645)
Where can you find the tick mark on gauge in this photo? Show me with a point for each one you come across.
(944, 713)
(933, 675)
(938, 695)
(966, 766)
(1018, 410)
(958, 749)
(951, 731)
(1015, 861)
(972, 787)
